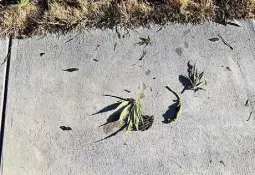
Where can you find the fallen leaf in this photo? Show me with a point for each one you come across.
(65, 128)
(71, 69)
(214, 39)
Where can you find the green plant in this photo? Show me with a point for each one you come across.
(22, 3)
(177, 105)
(196, 79)
(132, 112)
(144, 41)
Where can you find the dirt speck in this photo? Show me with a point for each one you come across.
(179, 51)
(147, 72)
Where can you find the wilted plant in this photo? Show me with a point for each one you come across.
(177, 106)
(132, 113)
(196, 79)
(22, 3)
(144, 41)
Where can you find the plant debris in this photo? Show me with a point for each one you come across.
(71, 70)
(65, 128)
(249, 116)
(114, 47)
(225, 42)
(196, 79)
(131, 112)
(247, 102)
(178, 108)
(127, 90)
(144, 41)
(214, 39)
(222, 162)
(95, 60)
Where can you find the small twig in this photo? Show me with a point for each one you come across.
(249, 116)
(225, 42)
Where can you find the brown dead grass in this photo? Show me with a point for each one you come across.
(84, 14)
(14, 18)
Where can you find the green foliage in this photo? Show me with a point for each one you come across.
(144, 41)
(131, 112)
(22, 3)
(196, 79)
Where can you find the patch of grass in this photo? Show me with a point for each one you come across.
(14, 17)
(84, 14)
(22, 3)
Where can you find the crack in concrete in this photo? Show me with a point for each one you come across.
(4, 99)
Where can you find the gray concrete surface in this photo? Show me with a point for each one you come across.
(212, 136)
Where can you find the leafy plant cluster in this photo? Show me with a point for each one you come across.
(130, 110)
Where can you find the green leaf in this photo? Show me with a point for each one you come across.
(22, 3)
(130, 124)
(125, 112)
(71, 69)
(201, 75)
(122, 105)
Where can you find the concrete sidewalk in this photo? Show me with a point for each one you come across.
(214, 135)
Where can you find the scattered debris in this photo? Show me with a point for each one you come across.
(127, 90)
(225, 42)
(41, 54)
(144, 41)
(95, 60)
(72, 38)
(114, 47)
(65, 128)
(228, 68)
(247, 102)
(214, 39)
(143, 55)
(222, 162)
(234, 23)
(249, 116)
(159, 29)
(118, 33)
(71, 69)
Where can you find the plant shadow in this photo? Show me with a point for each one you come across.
(107, 108)
(114, 117)
(170, 114)
(185, 82)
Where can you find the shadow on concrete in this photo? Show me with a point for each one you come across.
(185, 82)
(107, 108)
(170, 114)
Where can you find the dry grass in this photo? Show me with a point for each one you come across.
(62, 15)
(14, 18)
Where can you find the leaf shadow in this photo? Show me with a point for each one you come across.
(185, 82)
(170, 114)
(107, 108)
